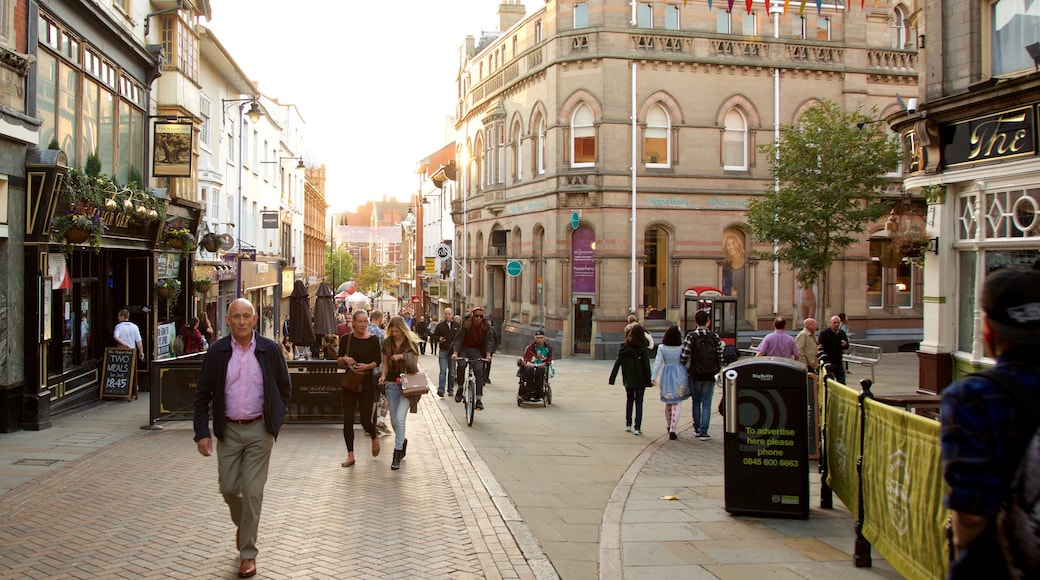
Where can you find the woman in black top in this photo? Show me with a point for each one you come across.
(634, 361)
(359, 350)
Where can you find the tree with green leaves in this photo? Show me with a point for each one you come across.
(339, 266)
(830, 173)
(376, 277)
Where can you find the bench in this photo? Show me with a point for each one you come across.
(752, 349)
(863, 354)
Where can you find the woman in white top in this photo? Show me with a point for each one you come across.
(669, 374)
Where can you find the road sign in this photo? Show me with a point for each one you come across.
(514, 267)
(575, 220)
(443, 251)
(416, 299)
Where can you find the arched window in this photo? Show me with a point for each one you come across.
(657, 146)
(900, 29)
(478, 164)
(540, 147)
(518, 152)
(735, 142)
(583, 137)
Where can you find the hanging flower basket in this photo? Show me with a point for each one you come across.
(168, 289)
(76, 235)
(179, 239)
(202, 285)
(210, 242)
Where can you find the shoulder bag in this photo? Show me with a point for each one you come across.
(352, 381)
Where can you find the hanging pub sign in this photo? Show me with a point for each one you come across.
(999, 136)
(269, 220)
(172, 149)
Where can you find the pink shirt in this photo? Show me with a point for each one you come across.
(244, 383)
(778, 343)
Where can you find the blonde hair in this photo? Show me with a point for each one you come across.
(398, 323)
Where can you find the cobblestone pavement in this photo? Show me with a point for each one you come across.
(527, 492)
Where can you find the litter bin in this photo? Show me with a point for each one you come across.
(766, 438)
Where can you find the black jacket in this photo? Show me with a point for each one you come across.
(830, 341)
(212, 376)
(445, 329)
(634, 363)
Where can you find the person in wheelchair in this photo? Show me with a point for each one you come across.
(534, 365)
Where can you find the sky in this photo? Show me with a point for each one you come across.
(374, 81)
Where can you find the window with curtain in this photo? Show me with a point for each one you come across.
(734, 142)
(645, 16)
(583, 137)
(1014, 24)
(656, 142)
(671, 17)
(581, 15)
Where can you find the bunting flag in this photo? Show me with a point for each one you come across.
(749, 6)
(788, 3)
(819, 7)
(842, 442)
(731, 6)
(903, 515)
(801, 11)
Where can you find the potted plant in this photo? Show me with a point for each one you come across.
(912, 244)
(202, 285)
(210, 242)
(168, 288)
(80, 223)
(179, 239)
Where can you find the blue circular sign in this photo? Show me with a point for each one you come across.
(513, 267)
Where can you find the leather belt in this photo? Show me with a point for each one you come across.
(243, 421)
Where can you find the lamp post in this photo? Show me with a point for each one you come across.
(420, 266)
(254, 116)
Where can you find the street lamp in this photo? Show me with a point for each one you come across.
(254, 117)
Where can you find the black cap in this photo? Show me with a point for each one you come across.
(539, 332)
(1011, 301)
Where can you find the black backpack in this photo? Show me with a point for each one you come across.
(1018, 519)
(704, 357)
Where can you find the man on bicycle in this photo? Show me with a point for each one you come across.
(473, 340)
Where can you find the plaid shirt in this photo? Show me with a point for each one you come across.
(687, 346)
(984, 434)
(192, 340)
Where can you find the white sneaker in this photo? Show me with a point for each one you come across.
(637, 432)
(628, 428)
(704, 437)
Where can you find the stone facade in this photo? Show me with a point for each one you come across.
(545, 137)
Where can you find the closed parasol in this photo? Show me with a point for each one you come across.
(324, 311)
(301, 327)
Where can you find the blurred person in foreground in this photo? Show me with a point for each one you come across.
(244, 377)
(988, 419)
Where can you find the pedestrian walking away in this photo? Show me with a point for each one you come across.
(988, 421)
(128, 335)
(835, 342)
(671, 378)
(473, 340)
(702, 356)
(421, 328)
(244, 383)
(444, 337)
(359, 352)
(633, 360)
(778, 343)
(429, 334)
(400, 356)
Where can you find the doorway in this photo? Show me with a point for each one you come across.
(583, 311)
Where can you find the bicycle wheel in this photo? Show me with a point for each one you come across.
(469, 398)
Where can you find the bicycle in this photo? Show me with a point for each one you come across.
(469, 389)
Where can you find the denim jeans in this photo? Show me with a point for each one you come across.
(702, 392)
(398, 412)
(634, 400)
(478, 368)
(446, 374)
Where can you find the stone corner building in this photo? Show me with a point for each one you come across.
(607, 217)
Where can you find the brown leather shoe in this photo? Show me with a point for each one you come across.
(247, 568)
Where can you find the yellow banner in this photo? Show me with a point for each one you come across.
(902, 491)
(842, 444)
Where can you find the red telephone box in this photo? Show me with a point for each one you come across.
(722, 312)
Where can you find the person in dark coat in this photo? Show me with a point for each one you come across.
(634, 361)
(245, 379)
(421, 328)
(473, 340)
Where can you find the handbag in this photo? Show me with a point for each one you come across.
(414, 386)
(352, 381)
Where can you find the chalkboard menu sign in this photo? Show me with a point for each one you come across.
(119, 368)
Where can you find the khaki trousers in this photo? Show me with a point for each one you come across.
(242, 461)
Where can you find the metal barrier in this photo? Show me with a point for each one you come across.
(863, 354)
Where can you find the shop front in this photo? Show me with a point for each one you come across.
(262, 286)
